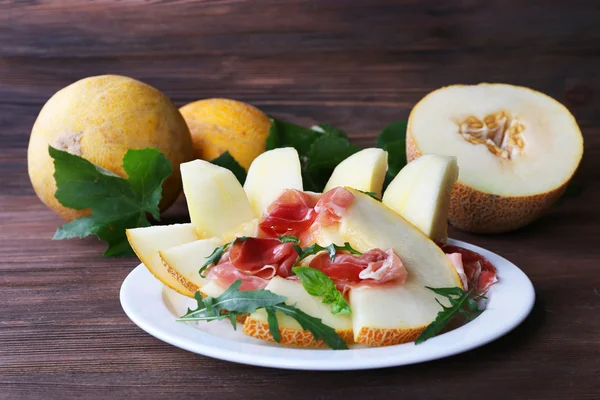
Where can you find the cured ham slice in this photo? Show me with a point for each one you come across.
(291, 214)
(255, 261)
(478, 271)
(373, 267)
(333, 205)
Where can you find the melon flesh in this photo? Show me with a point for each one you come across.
(184, 261)
(291, 332)
(363, 171)
(516, 150)
(270, 174)
(392, 314)
(216, 200)
(421, 194)
(147, 242)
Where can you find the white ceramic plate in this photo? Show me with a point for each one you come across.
(154, 307)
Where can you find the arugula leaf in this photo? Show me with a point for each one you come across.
(226, 160)
(234, 303)
(331, 249)
(217, 253)
(393, 140)
(273, 323)
(461, 303)
(317, 283)
(314, 325)
(116, 203)
(288, 239)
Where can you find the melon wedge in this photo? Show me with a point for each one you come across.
(216, 200)
(516, 149)
(421, 194)
(290, 330)
(363, 171)
(270, 174)
(388, 315)
(147, 242)
(183, 262)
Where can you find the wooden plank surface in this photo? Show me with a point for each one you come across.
(355, 64)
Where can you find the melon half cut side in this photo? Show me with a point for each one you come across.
(516, 151)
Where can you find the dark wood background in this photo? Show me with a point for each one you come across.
(356, 64)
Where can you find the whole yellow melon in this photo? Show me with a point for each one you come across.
(99, 118)
(220, 125)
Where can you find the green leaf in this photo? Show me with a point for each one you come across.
(214, 258)
(393, 140)
(314, 325)
(461, 303)
(316, 283)
(117, 204)
(226, 160)
(321, 148)
(234, 303)
(331, 249)
(273, 323)
(288, 239)
(372, 195)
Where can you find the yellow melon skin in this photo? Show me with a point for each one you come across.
(99, 118)
(387, 337)
(479, 212)
(220, 125)
(290, 337)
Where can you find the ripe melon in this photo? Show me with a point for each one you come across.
(220, 125)
(100, 118)
(516, 150)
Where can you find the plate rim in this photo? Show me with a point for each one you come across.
(284, 357)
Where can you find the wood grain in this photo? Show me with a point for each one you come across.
(355, 64)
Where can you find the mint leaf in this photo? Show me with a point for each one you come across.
(226, 160)
(461, 303)
(393, 140)
(117, 204)
(316, 283)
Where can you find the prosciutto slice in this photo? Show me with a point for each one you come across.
(373, 267)
(291, 214)
(255, 261)
(333, 205)
(478, 271)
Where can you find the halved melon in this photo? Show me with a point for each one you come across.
(421, 194)
(147, 242)
(364, 171)
(216, 200)
(516, 148)
(184, 261)
(290, 330)
(386, 315)
(270, 174)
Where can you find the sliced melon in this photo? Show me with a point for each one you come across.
(421, 194)
(270, 174)
(183, 262)
(248, 229)
(386, 315)
(147, 242)
(290, 330)
(516, 148)
(216, 200)
(363, 171)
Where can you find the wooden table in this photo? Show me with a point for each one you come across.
(358, 65)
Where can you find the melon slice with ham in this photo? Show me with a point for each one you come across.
(291, 333)
(363, 171)
(421, 193)
(270, 174)
(147, 242)
(393, 314)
